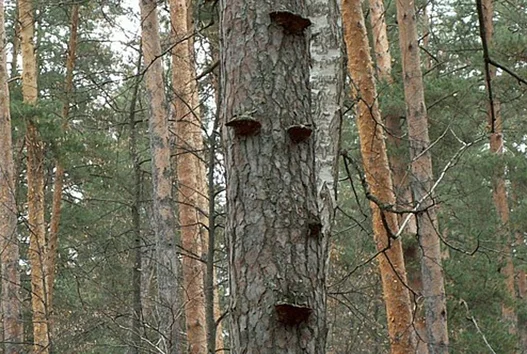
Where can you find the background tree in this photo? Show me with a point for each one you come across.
(167, 263)
(10, 301)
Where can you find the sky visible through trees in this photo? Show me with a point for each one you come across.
(273, 176)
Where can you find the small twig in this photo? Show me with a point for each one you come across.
(476, 325)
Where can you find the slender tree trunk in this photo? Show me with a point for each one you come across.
(422, 180)
(190, 174)
(403, 197)
(499, 190)
(16, 46)
(381, 46)
(327, 80)
(9, 255)
(378, 177)
(35, 180)
(164, 221)
(213, 311)
(137, 330)
(277, 252)
(58, 184)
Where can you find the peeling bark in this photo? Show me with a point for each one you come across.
(164, 220)
(276, 261)
(190, 175)
(378, 177)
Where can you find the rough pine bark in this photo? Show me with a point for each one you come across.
(12, 336)
(378, 176)
(499, 189)
(192, 204)
(422, 180)
(35, 180)
(277, 252)
(164, 220)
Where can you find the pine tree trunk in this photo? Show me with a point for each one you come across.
(422, 180)
(58, 184)
(499, 190)
(35, 180)
(378, 177)
(164, 221)
(277, 252)
(190, 175)
(9, 256)
(381, 47)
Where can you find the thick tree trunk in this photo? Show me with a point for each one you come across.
(35, 180)
(164, 221)
(190, 175)
(422, 180)
(277, 252)
(9, 255)
(499, 190)
(378, 177)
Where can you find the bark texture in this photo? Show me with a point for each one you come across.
(9, 252)
(422, 180)
(190, 175)
(277, 254)
(381, 46)
(378, 177)
(499, 189)
(164, 221)
(326, 79)
(35, 180)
